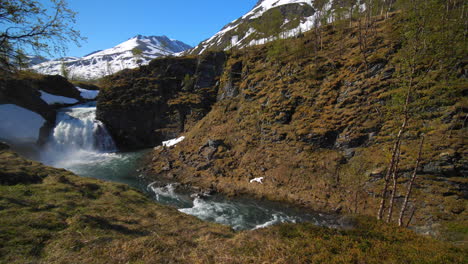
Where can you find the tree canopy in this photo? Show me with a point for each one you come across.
(34, 27)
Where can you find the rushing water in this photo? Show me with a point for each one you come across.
(81, 144)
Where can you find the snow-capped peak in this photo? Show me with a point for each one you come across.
(109, 61)
(294, 12)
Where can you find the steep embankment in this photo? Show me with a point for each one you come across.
(49, 215)
(317, 116)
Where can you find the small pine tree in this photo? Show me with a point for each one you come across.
(138, 54)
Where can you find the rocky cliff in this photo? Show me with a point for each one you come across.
(143, 107)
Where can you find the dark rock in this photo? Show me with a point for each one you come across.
(203, 166)
(24, 92)
(375, 69)
(231, 88)
(141, 108)
(325, 140)
(215, 143)
(446, 165)
(338, 209)
(349, 153)
(19, 177)
(387, 74)
(57, 85)
(4, 146)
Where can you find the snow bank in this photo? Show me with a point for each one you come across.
(173, 142)
(18, 124)
(88, 94)
(56, 99)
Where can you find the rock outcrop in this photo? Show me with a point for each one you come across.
(24, 90)
(141, 108)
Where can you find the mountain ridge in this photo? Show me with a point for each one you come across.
(297, 16)
(105, 62)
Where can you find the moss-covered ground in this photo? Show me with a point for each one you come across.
(64, 218)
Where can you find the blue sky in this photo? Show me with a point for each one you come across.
(107, 23)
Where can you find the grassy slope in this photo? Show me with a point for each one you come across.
(69, 219)
(293, 103)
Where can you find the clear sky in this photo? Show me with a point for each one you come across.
(106, 23)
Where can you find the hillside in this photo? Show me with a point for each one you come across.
(109, 61)
(317, 117)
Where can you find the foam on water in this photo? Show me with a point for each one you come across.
(239, 214)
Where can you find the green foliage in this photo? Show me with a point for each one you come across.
(35, 26)
(64, 70)
(138, 54)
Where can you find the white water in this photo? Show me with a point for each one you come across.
(240, 214)
(78, 138)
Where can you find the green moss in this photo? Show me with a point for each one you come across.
(57, 222)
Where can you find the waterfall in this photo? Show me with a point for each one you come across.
(77, 138)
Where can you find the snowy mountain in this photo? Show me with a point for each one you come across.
(268, 20)
(109, 61)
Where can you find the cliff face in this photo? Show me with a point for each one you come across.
(141, 108)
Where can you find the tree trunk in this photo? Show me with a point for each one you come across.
(395, 151)
(395, 185)
(410, 185)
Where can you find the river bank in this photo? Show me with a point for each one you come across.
(51, 215)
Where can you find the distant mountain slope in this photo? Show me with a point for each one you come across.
(109, 61)
(265, 22)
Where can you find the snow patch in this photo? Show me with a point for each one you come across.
(88, 94)
(18, 124)
(56, 99)
(259, 180)
(173, 142)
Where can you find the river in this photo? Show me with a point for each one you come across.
(81, 144)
